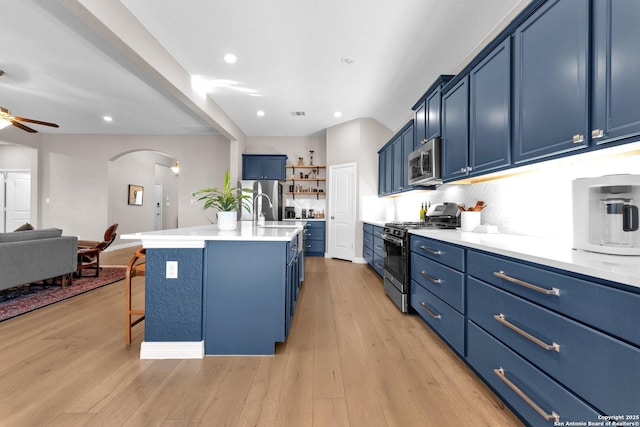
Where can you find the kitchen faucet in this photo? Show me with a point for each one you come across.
(255, 210)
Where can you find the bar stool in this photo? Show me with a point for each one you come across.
(135, 268)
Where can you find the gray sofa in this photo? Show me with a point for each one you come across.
(31, 256)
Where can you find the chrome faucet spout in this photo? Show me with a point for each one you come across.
(255, 210)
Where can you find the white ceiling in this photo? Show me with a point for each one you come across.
(59, 69)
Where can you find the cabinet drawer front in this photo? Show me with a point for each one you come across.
(377, 231)
(601, 369)
(318, 225)
(314, 247)
(292, 249)
(445, 282)
(378, 246)
(368, 228)
(378, 263)
(367, 240)
(609, 309)
(486, 354)
(452, 256)
(314, 233)
(447, 322)
(367, 253)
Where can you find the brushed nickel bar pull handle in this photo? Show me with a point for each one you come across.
(378, 265)
(429, 278)
(553, 291)
(435, 316)
(424, 248)
(501, 374)
(501, 319)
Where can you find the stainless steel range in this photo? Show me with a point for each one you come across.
(396, 262)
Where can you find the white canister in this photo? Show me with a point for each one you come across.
(470, 220)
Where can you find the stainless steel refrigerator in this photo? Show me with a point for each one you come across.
(263, 192)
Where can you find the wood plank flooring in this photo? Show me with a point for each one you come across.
(351, 359)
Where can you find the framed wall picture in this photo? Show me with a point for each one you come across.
(135, 194)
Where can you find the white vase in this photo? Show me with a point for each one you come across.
(227, 220)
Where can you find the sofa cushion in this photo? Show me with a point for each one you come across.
(45, 233)
(24, 227)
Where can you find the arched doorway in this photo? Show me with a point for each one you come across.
(149, 171)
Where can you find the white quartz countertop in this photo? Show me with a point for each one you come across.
(558, 254)
(374, 222)
(195, 237)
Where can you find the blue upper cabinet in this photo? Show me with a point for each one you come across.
(393, 176)
(489, 111)
(407, 147)
(396, 177)
(263, 166)
(616, 82)
(434, 105)
(455, 131)
(427, 112)
(420, 124)
(550, 80)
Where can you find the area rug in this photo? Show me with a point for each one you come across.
(23, 299)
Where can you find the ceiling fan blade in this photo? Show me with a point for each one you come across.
(23, 127)
(37, 122)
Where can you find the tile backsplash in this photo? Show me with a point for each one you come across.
(535, 203)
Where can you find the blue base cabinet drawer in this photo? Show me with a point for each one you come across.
(501, 367)
(314, 238)
(378, 246)
(443, 253)
(602, 370)
(367, 240)
(367, 228)
(443, 319)
(378, 263)
(446, 283)
(611, 310)
(367, 253)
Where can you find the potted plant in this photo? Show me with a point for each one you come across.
(228, 201)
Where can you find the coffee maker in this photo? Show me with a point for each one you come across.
(605, 214)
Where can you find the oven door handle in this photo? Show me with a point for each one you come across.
(396, 241)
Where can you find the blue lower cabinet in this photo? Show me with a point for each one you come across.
(367, 253)
(445, 282)
(602, 370)
(247, 296)
(378, 263)
(443, 319)
(536, 398)
(315, 238)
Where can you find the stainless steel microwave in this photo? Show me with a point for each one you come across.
(424, 164)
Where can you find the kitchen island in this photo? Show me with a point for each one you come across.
(213, 292)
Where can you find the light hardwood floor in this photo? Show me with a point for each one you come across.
(351, 359)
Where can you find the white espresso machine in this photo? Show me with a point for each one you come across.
(605, 214)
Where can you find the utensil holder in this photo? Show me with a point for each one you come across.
(470, 220)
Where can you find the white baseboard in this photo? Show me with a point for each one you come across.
(172, 350)
(359, 260)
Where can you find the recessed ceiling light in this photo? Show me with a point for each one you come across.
(107, 118)
(260, 113)
(230, 58)
(337, 114)
(347, 60)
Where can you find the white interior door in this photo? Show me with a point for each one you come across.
(342, 211)
(17, 199)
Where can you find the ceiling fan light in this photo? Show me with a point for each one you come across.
(4, 123)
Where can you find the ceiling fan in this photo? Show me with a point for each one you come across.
(6, 119)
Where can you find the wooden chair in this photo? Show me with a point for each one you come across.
(89, 251)
(136, 267)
